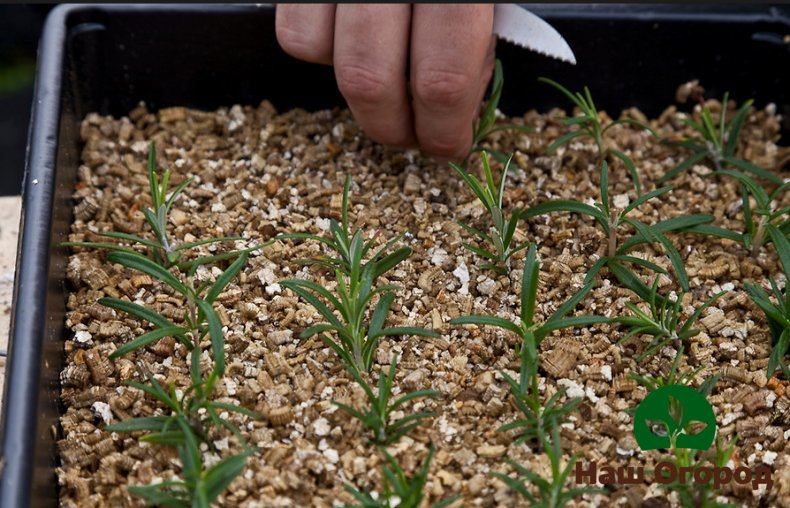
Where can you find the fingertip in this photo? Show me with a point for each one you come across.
(306, 32)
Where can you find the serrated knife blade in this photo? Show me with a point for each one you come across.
(519, 26)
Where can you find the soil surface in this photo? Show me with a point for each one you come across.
(259, 173)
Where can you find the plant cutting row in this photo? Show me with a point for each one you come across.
(193, 412)
(356, 313)
(661, 321)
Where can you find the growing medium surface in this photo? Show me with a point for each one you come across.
(259, 173)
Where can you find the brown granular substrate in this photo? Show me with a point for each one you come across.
(259, 173)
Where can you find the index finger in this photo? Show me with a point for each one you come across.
(451, 63)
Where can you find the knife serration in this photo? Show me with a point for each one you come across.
(519, 26)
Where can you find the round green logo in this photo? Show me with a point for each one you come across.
(674, 416)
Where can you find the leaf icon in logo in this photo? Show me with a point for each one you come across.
(658, 427)
(675, 411)
(674, 416)
(694, 427)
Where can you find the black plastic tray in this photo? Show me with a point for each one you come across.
(106, 58)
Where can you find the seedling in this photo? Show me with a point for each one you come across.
(377, 417)
(551, 492)
(763, 223)
(485, 125)
(589, 126)
(193, 413)
(777, 314)
(676, 377)
(165, 252)
(356, 338)
(718, 143)
(683, 427)
(611, 221)
(186, 429)
(662, 323)
(503, 230)
(398, 489)
(525, 390)
(697, 494)
(691, 494)
(347, 244)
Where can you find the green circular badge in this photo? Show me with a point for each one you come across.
(674, 414)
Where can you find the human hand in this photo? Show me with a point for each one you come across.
(449, 51)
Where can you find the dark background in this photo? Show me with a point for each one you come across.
(21, 26)
(20, 29)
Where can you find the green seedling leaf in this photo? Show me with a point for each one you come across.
(143, 264)
(683, 166)
(98, 245)
(220, 476)
(629, 164)
(487, 320)
(568, 206)
(215, 333)
(224, 279)
(754, 169)
(130, 238)
(150, 423)
(138, 311)
(529, 286)
(149, 338)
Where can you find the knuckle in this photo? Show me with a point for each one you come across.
(443, 87)
(363, 83)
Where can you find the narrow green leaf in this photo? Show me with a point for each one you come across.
(754, 169)
(734, 128)
(215, 333)
(645, 198)
(782, 246)
(137, 310)
(224, 279)
(632, 122)
(641, 262)
(564, 91)
(148, 338)
(669, 249)
(697, 313)
(153, 183)
(130, 238)
(569, 322)
(152, 423)
(302, 287)
(191, 245)
(630, 280)
(566, 206)
(705, 229)
(778, 352)
(564, 139)
(143, 264)
(683, 166)
(391, 261)
(529, 286)
(406, 330)
(487, 320)
(481, 252)
(629, 164)
(220, 475)
(174, 195)
(571, 302)
(99, 245)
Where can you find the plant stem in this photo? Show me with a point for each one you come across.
(613, 216)
(599, 141)
(759, 236)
